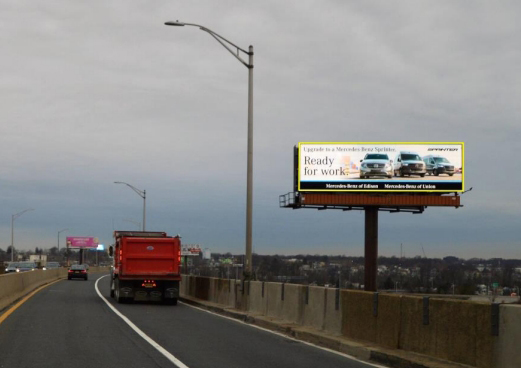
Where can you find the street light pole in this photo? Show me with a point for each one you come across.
(14, 217)
(61, 231)
(142, 194)
(247, 273)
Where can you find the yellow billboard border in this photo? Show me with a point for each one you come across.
(388, 191)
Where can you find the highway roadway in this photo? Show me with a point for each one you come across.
(69, 324)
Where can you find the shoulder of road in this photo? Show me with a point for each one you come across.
(361, 350)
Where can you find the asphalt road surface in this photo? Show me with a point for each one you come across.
(67, 324)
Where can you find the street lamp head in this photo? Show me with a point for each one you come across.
(176, 23)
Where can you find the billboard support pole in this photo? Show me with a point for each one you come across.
(371, 248)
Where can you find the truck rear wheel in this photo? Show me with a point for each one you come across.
(111, 287)
(117, 292)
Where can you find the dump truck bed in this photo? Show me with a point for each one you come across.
(149, 257)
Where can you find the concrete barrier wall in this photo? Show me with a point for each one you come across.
(258, 299)
(273, 291)
(332, 315)
(202, 288)
(13, 286)
(293, 303)
(455, 330)
(462, 332)
(388, 320)
(415, 336)
(507, 349)
(358, 321)
(185, 280)
(220, 291)
(235, 297)
(314, 306)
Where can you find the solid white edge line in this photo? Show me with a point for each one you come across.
(288, 337)
(158, 347)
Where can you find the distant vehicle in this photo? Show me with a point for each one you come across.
(21, 267)
(78, 272)
(436, 165)
(376, 164)
(146, 267)
(39, 259)
(11, 267)
(409, 163)
(481, 289)
(52, 266)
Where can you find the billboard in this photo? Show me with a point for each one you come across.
(380, 167)
(82, 242)
(191, 249)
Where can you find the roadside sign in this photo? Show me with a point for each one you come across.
(190, 249)
(82, 242)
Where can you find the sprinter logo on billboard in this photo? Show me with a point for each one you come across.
(380, 166)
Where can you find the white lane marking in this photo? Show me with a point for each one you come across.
(158, 347)
(287, 337)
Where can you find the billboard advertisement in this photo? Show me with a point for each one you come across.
(191, 249)
(82, 242)
(380, 167)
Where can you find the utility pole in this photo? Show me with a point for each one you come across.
(235, 51)
(59, 232)
(14, 217)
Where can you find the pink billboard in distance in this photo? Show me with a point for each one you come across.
(82, 242)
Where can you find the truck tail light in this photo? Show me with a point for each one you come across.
(149, 284)
(120, 255)
(179, 256)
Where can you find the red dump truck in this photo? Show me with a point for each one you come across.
(147, 267)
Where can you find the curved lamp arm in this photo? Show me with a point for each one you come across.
(141, 193)
(223, 41)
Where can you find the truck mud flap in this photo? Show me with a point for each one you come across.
(143, 295)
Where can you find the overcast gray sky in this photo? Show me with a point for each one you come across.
(101, 91)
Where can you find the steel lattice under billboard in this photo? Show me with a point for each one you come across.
(380, 167)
